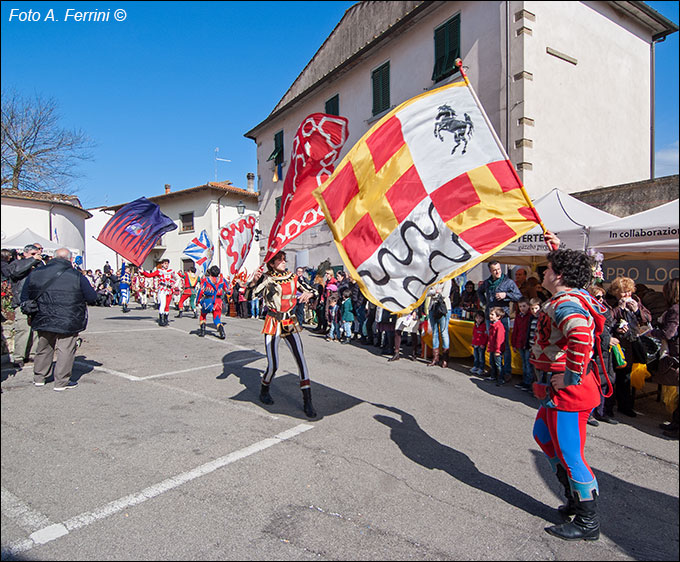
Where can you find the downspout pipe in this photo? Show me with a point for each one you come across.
(507, 76)
(652, 109)
(219, 242)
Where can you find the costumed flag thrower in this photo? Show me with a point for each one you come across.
(426, 194)
(201, 251)
(316, 147)
(134, 230)
(237, 238)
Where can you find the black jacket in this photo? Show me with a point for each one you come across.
(18, 272)
(62, 308)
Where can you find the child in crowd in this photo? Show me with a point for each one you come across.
(332, 318)
(534, 308)
(479, 339)
(496, 345)
(520, 342)
(347, 315)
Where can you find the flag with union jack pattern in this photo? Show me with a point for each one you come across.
(426, 194)
(201, 250)
(134, 230)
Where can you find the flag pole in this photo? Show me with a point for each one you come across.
(459, 64)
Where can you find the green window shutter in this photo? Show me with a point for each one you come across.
(277, 154)
(446, 49)
(333, 105)
(381, 88)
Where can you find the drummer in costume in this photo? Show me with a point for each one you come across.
(210, 296)
(278, 288)
(568, 386)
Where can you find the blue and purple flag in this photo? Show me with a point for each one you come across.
(135, 228)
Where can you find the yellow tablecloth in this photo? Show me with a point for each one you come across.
(460, 343)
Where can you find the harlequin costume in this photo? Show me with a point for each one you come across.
(210, 296)
(166, 281)
(124, 287)
(189, 291)
(278, 291)
(564, 344)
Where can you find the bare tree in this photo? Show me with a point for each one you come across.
(37, 154)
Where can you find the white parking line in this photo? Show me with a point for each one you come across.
(18, 511)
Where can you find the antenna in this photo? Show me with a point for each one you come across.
(217, 149)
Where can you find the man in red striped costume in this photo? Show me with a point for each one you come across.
(568, 388)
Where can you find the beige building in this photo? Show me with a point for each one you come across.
(566, 85)
(56, 217)
(206, 207)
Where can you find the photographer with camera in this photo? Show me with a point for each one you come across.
(56, 297)
(19, 269)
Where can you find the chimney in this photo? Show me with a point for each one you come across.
(167, 188)
(250, 177)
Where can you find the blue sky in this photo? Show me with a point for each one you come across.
(160, 90)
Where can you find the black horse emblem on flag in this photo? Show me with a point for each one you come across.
(446, 121)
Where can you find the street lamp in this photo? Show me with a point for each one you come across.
(241, 207)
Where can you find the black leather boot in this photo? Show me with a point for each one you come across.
(160, 320)
(397, 347)
(179, 314)
(568, 510)
(220, 332)
(201, 331)
(585, 526)
(265, 397)
(307, 403)
(165, 320)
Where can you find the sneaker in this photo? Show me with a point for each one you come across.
(69, 386)
(42, 383)
(521, 386)
(592, 421)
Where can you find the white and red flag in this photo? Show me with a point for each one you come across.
(426, 194)
(237, 238)
(316, 147)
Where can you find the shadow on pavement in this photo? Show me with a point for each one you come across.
(418, 446)
(624, 510)
(285, 389)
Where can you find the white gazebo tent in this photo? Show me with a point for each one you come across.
(651, 234)
(27, 236)
(562, 214)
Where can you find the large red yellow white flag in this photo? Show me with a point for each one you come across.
(425, 195)
(316, 146)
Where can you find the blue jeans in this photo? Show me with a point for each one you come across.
(443, 325)
(255, 308)
(335, 330)
(496, 361)
(300, 313)
(347, 328)
(527, 367)
(507, 355)
(480, 359)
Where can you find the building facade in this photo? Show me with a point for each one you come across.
(206, 207)
(57, 217)
(566, 85)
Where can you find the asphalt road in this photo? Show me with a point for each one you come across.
(163, 452)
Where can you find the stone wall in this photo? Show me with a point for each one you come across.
(630, 198)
